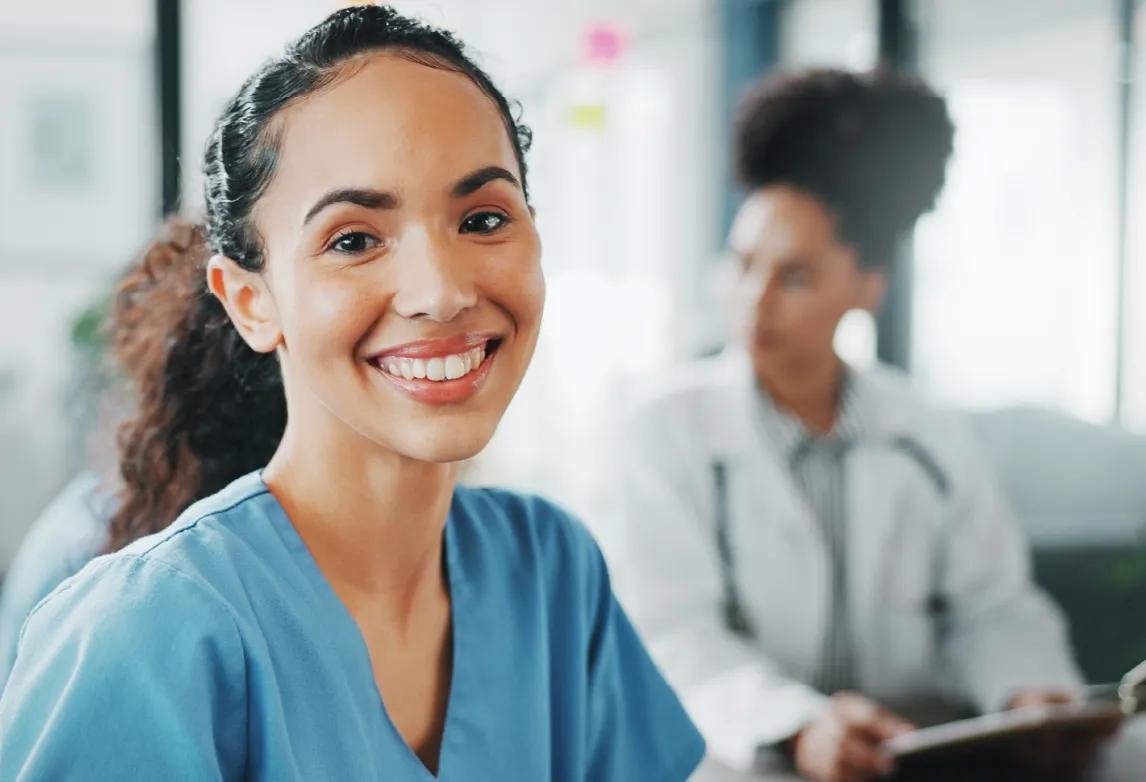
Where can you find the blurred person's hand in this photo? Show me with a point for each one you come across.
(843, 743)
(1062, 752)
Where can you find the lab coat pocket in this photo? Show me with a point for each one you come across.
(908, 633)
(910, 636)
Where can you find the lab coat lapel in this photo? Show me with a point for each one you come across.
(886, 535)
(781, 565)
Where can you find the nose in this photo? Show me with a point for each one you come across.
(433, 283)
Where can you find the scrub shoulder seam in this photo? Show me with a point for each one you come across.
(133, 561)
(138, 558)
(192, 524)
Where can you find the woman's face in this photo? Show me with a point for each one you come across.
(403, 288)
(796, 281)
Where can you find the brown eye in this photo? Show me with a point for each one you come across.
(484, 222)
(353, 243)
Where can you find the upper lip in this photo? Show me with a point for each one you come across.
(436, 348)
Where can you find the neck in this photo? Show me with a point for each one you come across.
(810, 391)
(374, 521)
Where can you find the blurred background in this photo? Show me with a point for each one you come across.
(1022, 299)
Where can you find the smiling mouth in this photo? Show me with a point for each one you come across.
(438, 369)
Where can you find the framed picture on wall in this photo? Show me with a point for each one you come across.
(78, 154)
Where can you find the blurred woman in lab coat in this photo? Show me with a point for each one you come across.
(818, 549)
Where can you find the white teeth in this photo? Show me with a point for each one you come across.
(438, 368)
(455, 367)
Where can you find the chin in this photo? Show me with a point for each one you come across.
(442, 442)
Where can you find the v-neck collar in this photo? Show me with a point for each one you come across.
(344, 625)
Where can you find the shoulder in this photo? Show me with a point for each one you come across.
(939, 432)
(125, 614)
(522, 525)
(526, 518)
(902, 404)
(169, 570)
(893, 387)
(131, 645)
(209, 534)
(121, 585)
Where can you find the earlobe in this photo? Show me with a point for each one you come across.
(245, 296)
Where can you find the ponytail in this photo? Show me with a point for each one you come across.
(209, 408)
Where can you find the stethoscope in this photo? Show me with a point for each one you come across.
(732, 608)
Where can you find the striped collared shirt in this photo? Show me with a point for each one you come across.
(816, 464)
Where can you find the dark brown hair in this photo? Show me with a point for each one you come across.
(210, 409)
(872, 147)
(190, 372)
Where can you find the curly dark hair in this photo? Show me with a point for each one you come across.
(873, 148)
(210, 408)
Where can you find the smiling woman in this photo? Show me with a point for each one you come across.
(333, 605)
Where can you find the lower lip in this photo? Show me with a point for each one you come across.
(442, 392)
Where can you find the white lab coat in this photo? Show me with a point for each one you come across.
(940, 599)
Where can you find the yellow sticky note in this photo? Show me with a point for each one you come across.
(587, 115)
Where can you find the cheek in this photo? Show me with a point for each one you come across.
(806, 315)
(530, 292)
(517, 285)
(329, 315)
(824, 314)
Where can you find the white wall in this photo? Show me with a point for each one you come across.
(224, 41)
(60, 244)
(1015, 272)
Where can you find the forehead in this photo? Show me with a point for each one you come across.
(779, 221)
(389, 123)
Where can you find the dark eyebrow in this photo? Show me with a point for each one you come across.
(371, 199)
(471, 183)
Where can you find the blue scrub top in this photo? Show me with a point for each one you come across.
(216, 649)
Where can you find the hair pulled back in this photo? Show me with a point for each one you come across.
(873, 148)
(210, 408)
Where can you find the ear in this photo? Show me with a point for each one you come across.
(248, 302)
(872, 289)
